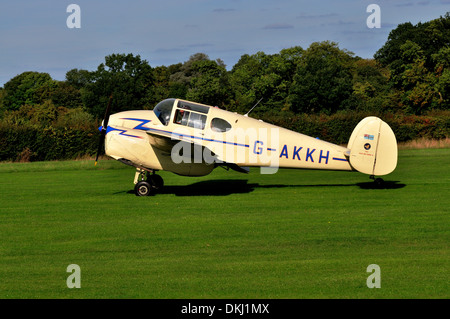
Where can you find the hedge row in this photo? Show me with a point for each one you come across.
(337, 128)
(31, 143)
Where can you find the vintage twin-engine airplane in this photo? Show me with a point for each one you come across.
(192, 139)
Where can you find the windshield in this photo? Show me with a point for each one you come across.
(163, 110)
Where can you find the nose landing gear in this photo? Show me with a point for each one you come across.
(147, 182)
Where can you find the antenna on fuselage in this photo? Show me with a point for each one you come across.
(253, 107)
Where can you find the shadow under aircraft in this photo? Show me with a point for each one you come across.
(222, 187)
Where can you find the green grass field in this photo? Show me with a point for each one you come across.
(294, 234)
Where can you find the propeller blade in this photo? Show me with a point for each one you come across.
(107, 113)
(104, 129)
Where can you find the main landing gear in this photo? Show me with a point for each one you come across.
(147, 182)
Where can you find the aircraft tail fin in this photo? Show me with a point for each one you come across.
(373, 147)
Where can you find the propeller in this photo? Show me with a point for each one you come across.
(104, 129)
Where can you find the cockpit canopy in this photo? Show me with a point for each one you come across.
(187, 113)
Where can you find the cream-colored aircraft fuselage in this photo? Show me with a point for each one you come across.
(192, 139)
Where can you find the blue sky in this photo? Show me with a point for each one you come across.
(34, 35)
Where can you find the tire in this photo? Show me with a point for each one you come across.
(143, 188)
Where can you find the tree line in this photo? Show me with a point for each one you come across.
(408, 78)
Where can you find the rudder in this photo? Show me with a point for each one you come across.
(373, 147)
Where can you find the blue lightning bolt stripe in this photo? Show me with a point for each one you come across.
(139, 126)
(122, 132)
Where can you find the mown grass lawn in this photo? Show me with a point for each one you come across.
(294, 234)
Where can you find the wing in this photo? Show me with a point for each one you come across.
(165, 141)
(162, 140)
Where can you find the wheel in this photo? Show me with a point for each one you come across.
(156, 181)
(143, 188)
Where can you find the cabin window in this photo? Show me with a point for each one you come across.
(163, 110)
(182, 117)
(220, 125)
(191, 119)
(197, 120)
